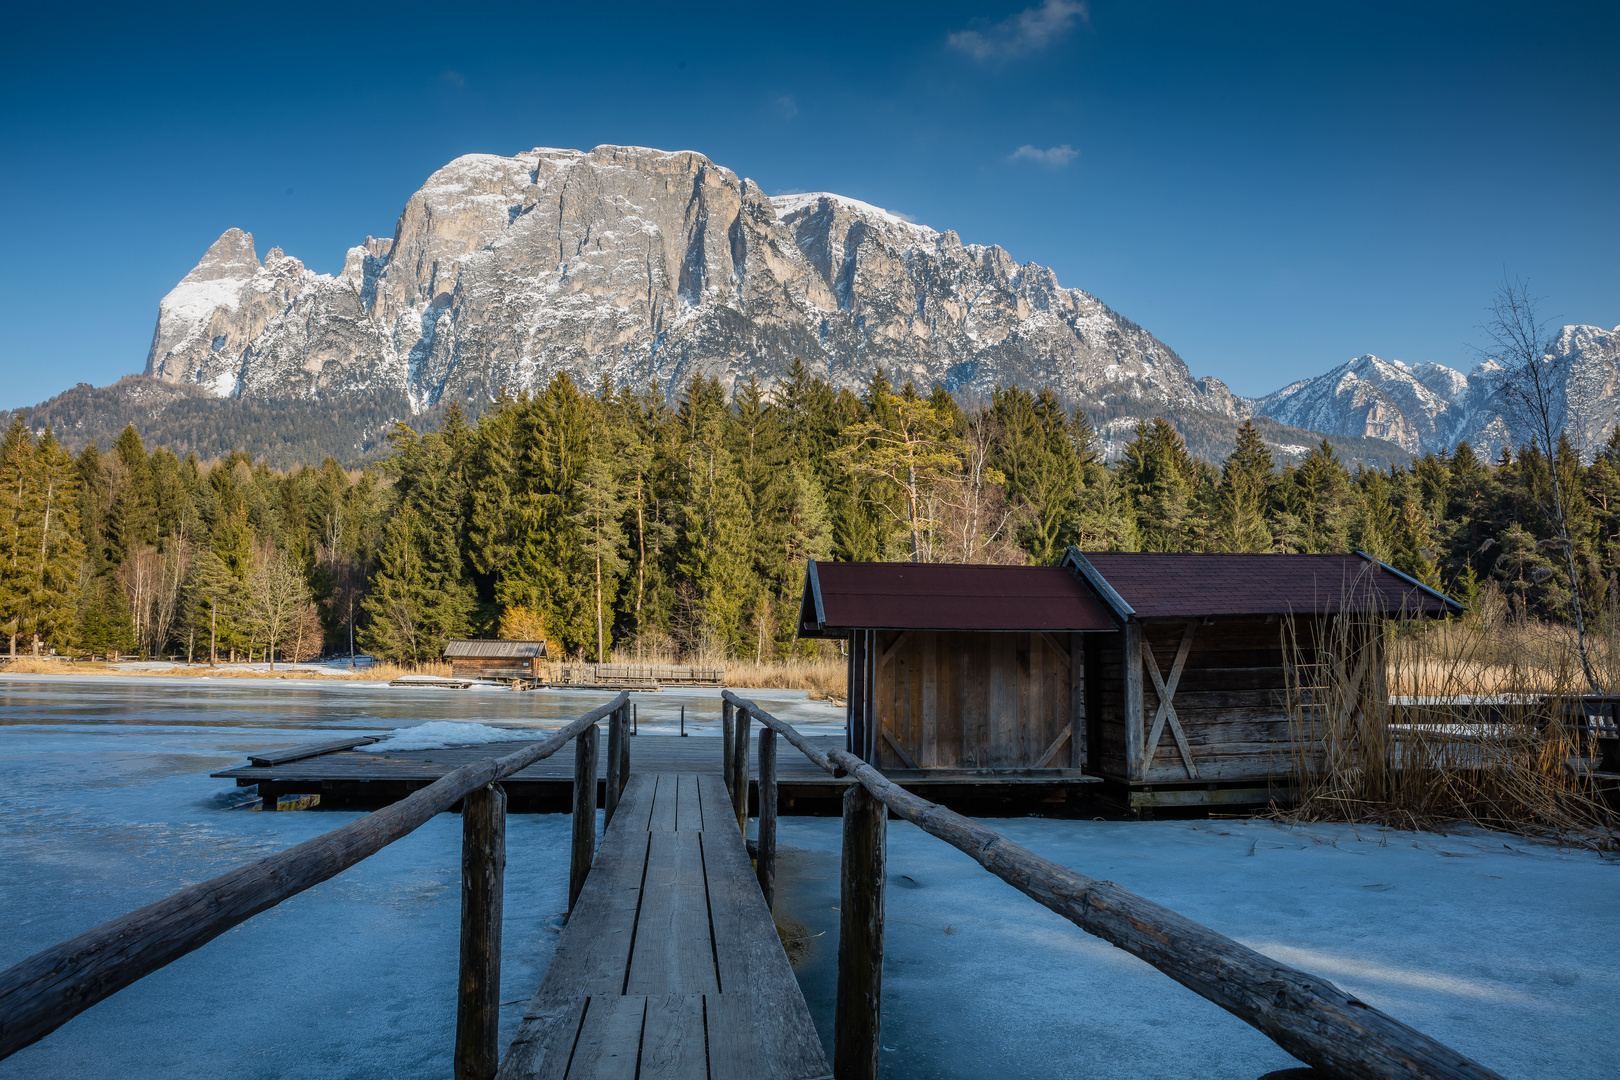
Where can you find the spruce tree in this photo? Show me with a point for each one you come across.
(1245, 493)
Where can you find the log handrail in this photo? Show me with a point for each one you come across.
(1309, 1017)
(48, 989)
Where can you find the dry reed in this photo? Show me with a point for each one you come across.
(1474, 731)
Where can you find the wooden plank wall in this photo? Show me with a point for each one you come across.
(1231, 702)
(974, 700)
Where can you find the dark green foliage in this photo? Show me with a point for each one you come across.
(623, 521)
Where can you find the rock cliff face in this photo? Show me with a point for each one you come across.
(642, 267)
(1431, 407)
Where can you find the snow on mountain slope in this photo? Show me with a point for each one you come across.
(1431, 407)
(646, 266)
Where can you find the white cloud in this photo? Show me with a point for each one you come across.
(786, 106)
(1054, 156)
(1029, 31)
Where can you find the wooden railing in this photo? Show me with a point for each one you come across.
(49, 988)
(1307, 1016)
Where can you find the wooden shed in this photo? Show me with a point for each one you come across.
(483, 659)
(1189, 702)
(956, 667)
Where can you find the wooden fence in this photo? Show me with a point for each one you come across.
(1307, 1016)
(49, 988)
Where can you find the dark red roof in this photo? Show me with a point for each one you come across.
(1160, 585)
(945, 596)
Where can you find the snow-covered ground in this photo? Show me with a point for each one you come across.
(1506, 950)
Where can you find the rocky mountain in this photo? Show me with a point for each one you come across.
(642, 267)
(1431, 407)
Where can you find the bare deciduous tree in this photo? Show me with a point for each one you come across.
(1540, 408)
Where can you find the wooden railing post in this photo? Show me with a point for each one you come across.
(858, 1019)
(624, 752)
(615, 765)
(584, 848)
(726, 720)
(739, 769)
(765, 863)
(483, 868)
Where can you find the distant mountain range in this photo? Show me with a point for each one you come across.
(644, 267)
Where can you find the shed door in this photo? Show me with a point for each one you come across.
(974, 700)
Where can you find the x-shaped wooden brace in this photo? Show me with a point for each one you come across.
(1167, 711)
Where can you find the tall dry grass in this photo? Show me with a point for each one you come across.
(1409, 724)
(826, 676)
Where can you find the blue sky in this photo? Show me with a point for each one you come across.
(1269, 188)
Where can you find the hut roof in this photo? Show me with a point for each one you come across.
(1173, 584)
(839, 597)
(495, 649)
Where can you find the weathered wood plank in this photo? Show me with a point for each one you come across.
(689, 808)
(665, 800)
(545, 1039)
(609, 1043)
(762, 1026)
(1132, 702)
(674, 1040)
(309, 750)
(673, 950)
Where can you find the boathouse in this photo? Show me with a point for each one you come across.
(1189, 702)
(1165, 675)
(960, 667)
(483, 659)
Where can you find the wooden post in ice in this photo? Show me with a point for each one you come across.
(483, 869)
(726, 720)
(765, 862)
(739, 769)
(615, 765)
(584, 847)
(858, 1019)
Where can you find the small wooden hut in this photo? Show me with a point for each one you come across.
(959, 667)
(1189, 702)
(1164, 674)
(483, 659)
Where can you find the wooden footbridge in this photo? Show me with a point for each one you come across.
(670, 966)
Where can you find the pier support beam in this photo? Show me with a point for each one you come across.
(483, 870)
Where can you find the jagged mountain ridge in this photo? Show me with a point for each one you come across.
(644, 266)
(1430, 407)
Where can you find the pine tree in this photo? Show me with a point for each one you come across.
(1245, 493)
(16, 477)
(57, 548)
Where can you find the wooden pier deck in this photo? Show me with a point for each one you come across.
(670, 966)
(368, 776)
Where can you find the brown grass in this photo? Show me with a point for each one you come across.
(47, 665)
(824, 678)
(1417, 726)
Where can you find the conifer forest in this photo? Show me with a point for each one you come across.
(616, 521)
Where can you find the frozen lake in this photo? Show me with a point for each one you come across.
(1508, 951)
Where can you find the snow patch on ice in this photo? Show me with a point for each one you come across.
(438, 734)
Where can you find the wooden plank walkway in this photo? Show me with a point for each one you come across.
(670, 966)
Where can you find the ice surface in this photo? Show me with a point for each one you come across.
(1506, 950)
(1503, 949)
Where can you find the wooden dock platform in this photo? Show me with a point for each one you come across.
(670, 965)
(372, 776)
